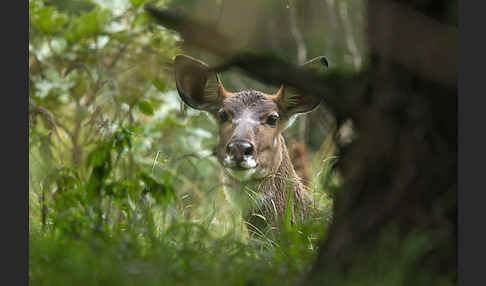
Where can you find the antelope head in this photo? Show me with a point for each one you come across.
(250, 122)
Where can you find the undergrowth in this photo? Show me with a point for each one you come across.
(111, 229)
(123, 189)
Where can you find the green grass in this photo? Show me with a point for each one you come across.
(145, 238)
(183, 253)
(166, 223)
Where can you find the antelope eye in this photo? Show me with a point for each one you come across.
(223, 116)
(272, 120)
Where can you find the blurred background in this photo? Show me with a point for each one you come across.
(123, 186)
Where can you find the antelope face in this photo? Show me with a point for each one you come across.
(250, 125)
(250, 122)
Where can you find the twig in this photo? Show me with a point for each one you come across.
(295, 31)
(155, 160)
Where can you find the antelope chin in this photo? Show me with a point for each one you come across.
(242, 171)
(241, 174)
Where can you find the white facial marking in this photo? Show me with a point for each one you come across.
(248, 162)
(245, 116)
(247, 119)
(227, 160)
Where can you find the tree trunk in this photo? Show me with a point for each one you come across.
(395, 217)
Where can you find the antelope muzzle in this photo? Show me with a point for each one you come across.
(240, 154)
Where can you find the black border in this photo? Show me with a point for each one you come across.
(471, 144)
(14, 23)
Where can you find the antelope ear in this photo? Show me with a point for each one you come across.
(290, 102)
(197, 86)
(316, 64)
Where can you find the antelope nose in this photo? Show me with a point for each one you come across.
(240, 148)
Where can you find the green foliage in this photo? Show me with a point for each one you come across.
(146, 107)
(123, 186)
(88, 24)
(185, 254)
(46, 19)
(160, 85)
(138, 3)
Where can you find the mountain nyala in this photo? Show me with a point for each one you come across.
(257, 174)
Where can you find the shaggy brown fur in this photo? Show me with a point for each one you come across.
(268, 209)
(298, 156)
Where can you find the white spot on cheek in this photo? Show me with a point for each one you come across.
(275, 141)
(228, 160)
(249, 162)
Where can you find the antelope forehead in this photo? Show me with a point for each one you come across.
(246, 115)
(250, 102)
(249, 97)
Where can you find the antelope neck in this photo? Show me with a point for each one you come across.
(252, 194)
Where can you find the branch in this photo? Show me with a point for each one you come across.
(193, 32)
(435, 58)
(332, 87)
(299, 40)
(339, 91)
(414, 40)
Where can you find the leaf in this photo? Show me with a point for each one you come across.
(159, 84)
(98, 156)
(122, 139)
(141, 19)
(137, 3)
(146, 107)
(47, 19)
(87, 25)
(162, 191)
